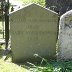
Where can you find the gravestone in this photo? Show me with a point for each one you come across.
(33, 30)
(65, 36)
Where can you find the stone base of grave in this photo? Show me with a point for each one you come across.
(34, 59)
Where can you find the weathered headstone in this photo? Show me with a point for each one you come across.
(33, 31)
(65, 36)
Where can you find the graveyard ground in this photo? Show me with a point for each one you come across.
(50, 66)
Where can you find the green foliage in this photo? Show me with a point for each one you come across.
(52, 66)
(41, 2)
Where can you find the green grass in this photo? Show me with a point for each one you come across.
(7, 65)
(10, 67)
(51, 66)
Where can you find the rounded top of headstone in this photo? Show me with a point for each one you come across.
(68, 13)
(65, 19)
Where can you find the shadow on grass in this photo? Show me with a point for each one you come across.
(1, 52)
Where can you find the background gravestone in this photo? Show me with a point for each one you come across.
(65, 36)
(33, 31)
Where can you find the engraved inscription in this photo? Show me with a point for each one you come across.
(32, 32)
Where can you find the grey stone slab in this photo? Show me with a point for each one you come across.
(65, 36)
(33, 30)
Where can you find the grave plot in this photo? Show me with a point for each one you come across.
(33, 30)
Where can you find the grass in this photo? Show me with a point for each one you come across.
(10, 67)
(51, 66)
(7, 65)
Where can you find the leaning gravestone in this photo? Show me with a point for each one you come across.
(65, 36)
(33, 30)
